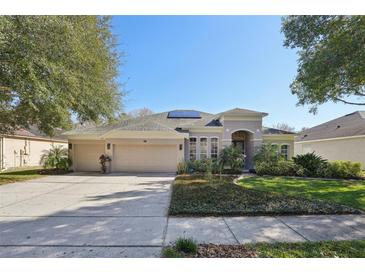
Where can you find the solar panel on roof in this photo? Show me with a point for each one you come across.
(188, 114)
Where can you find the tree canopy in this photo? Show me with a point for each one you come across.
(141, 112)
(53, 68)
(284, 126)
(331, 65)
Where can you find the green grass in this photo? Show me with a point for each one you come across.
(328, 249)
(19, 175)
(186, 245)
(198, 196)
(346, 192)
(325, 249)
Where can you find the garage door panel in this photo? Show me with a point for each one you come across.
(87, 156)
(145, 158)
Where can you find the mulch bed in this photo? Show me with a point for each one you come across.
(53, 172)
(224, 251)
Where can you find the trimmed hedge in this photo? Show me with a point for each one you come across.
(335, 170)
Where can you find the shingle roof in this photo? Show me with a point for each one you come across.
(33, 131)
(352, 124)
(242, 111)
(161, 122)
(270, 130)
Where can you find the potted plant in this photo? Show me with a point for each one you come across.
(103, 160)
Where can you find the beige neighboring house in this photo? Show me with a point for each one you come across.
(158, 142)
(339, 139)
(25, 147)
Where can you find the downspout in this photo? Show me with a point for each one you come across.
(1, 153)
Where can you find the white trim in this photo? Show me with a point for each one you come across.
(242, 129)
(210, 148)
(204, 130)
(196, 147)
(331, 139)
(206, 137)
(288, 150)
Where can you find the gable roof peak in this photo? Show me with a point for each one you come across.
(242, 111)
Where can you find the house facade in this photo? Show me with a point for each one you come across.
(158, 142)
(339, 139)
(24, 148)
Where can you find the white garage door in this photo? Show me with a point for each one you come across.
(145, 158)
(87, 156)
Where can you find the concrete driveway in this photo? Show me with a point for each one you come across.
(85, 215)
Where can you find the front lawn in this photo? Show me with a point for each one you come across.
(198, 196)
(346, 192)
(26, 174)
(327, 249)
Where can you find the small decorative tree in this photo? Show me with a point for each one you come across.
(56, 157)
(103, 159)
(233, 157)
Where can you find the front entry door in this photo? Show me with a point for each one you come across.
(240, 144)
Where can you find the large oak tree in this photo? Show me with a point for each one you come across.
(53, 68)
(331, 65)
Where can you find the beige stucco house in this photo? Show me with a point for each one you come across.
(24, 148)
(158, 142)
(339, 139)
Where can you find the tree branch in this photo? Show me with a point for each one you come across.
(350, 103)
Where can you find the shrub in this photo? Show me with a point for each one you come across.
(232, 157)
(267, 153)
(280, 168)
(186, 245)
(56, 157)
(171, 252)
(311, 163)
(198, 166)
(344, 170)
(183, 168)
(287, 168)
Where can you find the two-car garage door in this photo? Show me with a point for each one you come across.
(145, 158)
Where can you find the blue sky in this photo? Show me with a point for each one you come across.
(213, 63)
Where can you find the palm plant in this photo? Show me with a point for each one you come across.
(233, 157)
(267, 153)
(56, 157)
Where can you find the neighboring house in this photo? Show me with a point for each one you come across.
(158, 142)
(25, 147)
(339, 139)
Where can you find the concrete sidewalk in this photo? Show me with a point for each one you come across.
(240, 230)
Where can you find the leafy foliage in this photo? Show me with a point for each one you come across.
(170, 252)
(232, 157)
(103, 160)
(267, 153)
(311, 163)
(343, 169)
(331, 58)
(56, 157)
(187, 245)
(53, 67)
(183, 168)
(280, 168)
